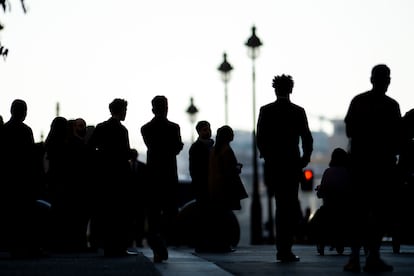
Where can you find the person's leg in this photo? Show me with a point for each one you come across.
(155, 240)
(286, 222)
(285, 183)
(378, 224)
(356, 225)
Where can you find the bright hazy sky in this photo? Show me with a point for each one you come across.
(85, 53)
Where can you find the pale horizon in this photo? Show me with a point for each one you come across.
(83, 54)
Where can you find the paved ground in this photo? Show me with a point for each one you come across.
(246, 260)
(260, 260)
(88, 264)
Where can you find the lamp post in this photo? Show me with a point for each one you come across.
(225, 69)
(57, 109)
(253, 44)
(192, 111)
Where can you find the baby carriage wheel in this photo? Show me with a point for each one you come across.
(340, 249)
(320, 248)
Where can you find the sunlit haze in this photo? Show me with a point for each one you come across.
(83, 54)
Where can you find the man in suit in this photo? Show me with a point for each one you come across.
(110, 140)
(163, 140)
(281, 126)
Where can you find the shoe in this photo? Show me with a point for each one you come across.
(321, 249)
(157, 258)
(132, 252)
(160, 254)
(352, 266)
(287, 257)
(159, 249)
(117, 253)
(377, 265)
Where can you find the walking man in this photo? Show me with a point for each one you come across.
(281, 126)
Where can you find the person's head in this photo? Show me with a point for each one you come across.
(283, 85)
(18, 110)
(118, 109)
(203, 129)
(160, 106)
(133, 154)
(339, 158)
(224, 136)
(79, 127)
(58, 130)
(408, 124)
(380, 78)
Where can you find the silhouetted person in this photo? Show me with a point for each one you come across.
(403, 223)
(224, 183)
(281, 126)
(79, 190)
(199, 155)
(139, 178)
(57, 156)
(111, 141)
(334, 191)
(373, 128)
(406, 158)
(225, 190)
(18, 189)
(163, 140)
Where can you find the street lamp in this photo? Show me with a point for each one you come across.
(253, 44)
(225, 69)
(192, 111)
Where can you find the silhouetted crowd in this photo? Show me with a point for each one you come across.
(84, 188)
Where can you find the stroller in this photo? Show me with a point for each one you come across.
(326, 228)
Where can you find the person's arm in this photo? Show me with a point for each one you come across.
(307, 141)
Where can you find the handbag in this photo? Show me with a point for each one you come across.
(241, 190)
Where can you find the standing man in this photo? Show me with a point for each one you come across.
(163, 140)
(18, 190)
(281, 126)
(110, 140)
(373, 128)
(199, 156)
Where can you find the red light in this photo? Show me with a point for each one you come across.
(308, 174)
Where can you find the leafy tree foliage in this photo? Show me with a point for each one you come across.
(5, 4)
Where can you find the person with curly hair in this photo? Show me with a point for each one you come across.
(282, 127)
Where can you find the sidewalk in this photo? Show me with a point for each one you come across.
(260, 260)
(246, 260)
(78, 264)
